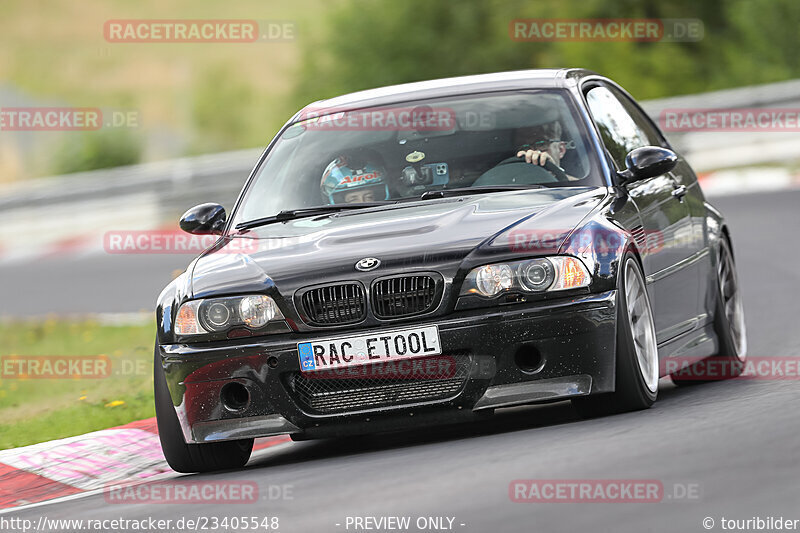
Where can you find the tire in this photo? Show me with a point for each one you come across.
(637, 368)
(188, 458)
(728, 325)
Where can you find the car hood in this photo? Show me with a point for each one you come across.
(436, 235)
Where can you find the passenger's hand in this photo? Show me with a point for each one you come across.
(535, 156)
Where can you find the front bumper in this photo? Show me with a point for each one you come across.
(516, 354)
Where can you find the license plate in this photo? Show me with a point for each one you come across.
(355, 350)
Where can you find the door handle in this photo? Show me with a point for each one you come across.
(679, 192)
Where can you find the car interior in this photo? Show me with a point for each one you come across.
(478, 150)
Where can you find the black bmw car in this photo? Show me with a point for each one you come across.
(427, 253)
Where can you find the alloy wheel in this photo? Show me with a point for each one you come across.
(640, 320)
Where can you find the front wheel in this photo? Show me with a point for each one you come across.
(188, 458)
(728, 325)
(637, 369)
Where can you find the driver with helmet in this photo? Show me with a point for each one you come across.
(349, 179)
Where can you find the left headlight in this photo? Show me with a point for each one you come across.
(216, 315)
(544, 274)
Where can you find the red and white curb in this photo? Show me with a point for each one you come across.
(748, 181)
(87, 463)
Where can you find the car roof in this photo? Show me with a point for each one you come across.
(499, 81)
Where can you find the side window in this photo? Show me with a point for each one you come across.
(644, 123)
(621, 133)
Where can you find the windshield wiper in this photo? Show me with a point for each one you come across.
(305, 212)
(463, 191)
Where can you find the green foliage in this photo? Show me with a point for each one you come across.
(371, 43)
(222, 113)
(97, 149)
(77, 419)
(37, 410)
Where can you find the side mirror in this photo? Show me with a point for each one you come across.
(647, 162)
(204, 219)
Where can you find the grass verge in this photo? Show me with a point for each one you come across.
(46, 406)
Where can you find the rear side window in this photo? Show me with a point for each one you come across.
(621, 125)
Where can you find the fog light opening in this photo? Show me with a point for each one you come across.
(528, 359)
(234, 396)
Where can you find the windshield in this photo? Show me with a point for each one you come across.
(333, 157)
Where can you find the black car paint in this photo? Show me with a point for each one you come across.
(458, 234)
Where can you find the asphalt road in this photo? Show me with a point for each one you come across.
(733, 444)
(78, 285)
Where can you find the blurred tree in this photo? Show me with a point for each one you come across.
(371, 43)
(97, 149)
(221, 111)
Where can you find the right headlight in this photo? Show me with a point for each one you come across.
(252, 313)
(543, 274)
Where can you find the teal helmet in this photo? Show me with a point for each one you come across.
(346, 173)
